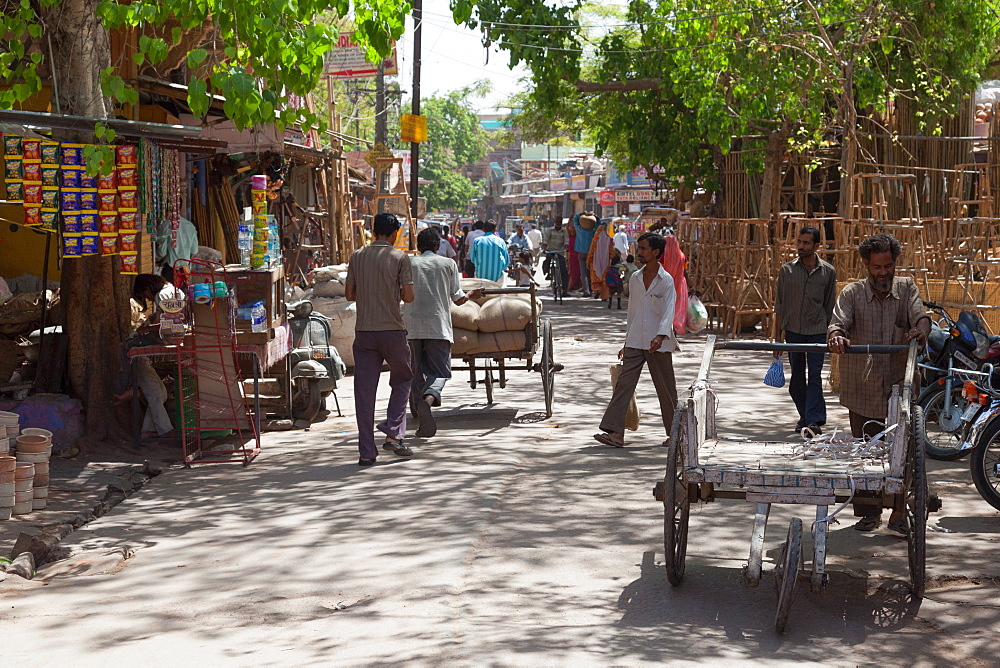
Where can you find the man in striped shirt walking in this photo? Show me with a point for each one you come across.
(489, 254)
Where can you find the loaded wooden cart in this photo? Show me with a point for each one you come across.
(489, 355)
(702, 467)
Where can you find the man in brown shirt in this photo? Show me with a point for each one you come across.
(882, 310)
(806, 291)
(378, 277)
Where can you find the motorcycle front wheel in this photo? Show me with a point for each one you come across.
(985, 463)
(945, 432)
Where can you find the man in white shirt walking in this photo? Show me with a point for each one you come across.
(649, 339)
(621, 240)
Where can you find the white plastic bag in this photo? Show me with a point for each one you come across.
(697, 315)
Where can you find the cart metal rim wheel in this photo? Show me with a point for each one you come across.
(546, 367)
(916, 504)
(676, 503)
(786, 574)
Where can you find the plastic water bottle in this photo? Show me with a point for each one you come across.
(245, 243)
(258, 318)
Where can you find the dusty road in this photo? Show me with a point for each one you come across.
(507, 539)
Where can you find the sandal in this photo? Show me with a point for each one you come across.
(607, 440)
(397, 449)
(869, 523)
(900, 527)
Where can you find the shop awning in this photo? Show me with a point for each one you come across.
(177, 135)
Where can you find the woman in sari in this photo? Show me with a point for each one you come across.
(571, 258)
(599, 258)
(675, 262)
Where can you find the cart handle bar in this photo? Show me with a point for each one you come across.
(855, 349)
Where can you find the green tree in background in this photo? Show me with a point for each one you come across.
(455, 141)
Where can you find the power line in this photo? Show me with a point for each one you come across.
(692, 47)
(626, 25)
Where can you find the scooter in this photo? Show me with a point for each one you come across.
(315, 366)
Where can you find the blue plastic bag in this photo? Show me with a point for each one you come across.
(775, 376)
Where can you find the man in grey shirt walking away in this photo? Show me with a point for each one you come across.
(806, 293)
(428, 326)
(378, 276)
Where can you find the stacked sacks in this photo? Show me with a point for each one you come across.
(493, 324)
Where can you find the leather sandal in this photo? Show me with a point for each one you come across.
(607, 440)
(869, 523)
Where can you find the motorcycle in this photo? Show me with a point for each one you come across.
(984, 463)
(956, 351)
(315, 366)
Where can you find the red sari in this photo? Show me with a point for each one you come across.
(674, 261)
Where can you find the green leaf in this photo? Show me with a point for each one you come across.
(196, 58)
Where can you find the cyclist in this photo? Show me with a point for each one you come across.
(554, 242)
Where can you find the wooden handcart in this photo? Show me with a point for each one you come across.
(701, 466)
(494, 365)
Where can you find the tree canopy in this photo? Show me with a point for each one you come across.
(675, 80)
(456, 140)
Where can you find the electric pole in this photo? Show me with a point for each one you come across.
(418, 20)
(381, 131)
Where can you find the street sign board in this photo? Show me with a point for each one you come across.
(346, 60)
(378, 151)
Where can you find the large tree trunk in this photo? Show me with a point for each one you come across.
(93, 291)
(848, 160)
(774, 156)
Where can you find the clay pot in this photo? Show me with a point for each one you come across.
(7, 511)
(34, 444)
(7, 418)
(24, 471)
(6, 489)
(39, 504)
(21, 497)
(24, 486)
(10, 431)
(40, 492)
(41, 481)
(23, 507)
(41, 468)
(33, 458)
(7, 464)
(37, 431)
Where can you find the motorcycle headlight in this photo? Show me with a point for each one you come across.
(304, 308)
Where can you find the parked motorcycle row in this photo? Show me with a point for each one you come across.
(961, 397)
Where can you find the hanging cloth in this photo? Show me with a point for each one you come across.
(674, 261)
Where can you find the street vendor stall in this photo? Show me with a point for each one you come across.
(214, 348)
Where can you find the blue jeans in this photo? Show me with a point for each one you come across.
(807, 394)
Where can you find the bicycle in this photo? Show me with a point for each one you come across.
(556, 274)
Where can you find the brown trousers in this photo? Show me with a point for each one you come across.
(859, 430)
(661, 368)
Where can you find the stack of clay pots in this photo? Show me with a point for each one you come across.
(34, 446)
(8, 430)
(7, 486)
(24, 482)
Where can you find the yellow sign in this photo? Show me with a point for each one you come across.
(412, 128)
(378, 151)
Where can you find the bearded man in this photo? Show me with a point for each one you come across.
(881, 310)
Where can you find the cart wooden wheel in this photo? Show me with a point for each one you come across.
(676, 502)
(547, 367)
(916, 504)
(488, 380)
(786, 574)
